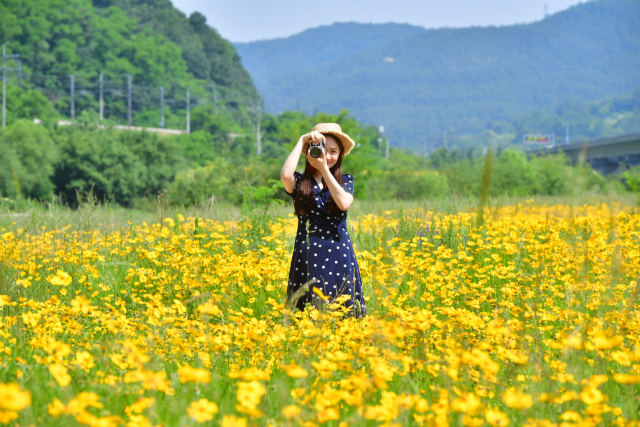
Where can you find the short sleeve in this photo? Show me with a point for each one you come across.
(297, 176)
(347, 183)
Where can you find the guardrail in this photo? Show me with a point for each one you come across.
(161, 131)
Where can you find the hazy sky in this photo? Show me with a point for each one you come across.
(249, 20)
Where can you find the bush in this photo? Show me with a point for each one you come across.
(115, 165)
(197, 185)
(27, 158)
(223, 179)
(405, 185)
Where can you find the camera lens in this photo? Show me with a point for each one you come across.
(316, 152)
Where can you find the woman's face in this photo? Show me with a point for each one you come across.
(333, 150)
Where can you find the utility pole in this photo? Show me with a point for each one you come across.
(4, 82)
(387, 148)
(4, 85)
(129, 100)
(258, 140)
(251, 113)
(380, 133)
(188, 112)
(215, 100)
(161, 107)
(72, 91)
(101, 96)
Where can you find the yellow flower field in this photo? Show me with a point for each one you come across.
(530, 318)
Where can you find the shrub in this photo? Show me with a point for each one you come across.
(115, 165)
(27, 157)
(406, 185)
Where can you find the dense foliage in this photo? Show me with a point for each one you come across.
(437, 80)
(133, 168)
(152, 41)
(587, 120)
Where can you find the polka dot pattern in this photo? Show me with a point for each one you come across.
(333, 260)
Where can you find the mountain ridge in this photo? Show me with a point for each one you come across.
(260, 54)
(442, 79)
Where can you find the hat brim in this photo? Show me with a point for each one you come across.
(347, 142)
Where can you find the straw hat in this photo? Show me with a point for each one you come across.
(332, 129)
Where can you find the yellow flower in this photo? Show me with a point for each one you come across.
(61, 278)
(189, 374)
(571, 416)
(251, 374)
(141, 404)
(209, 309)
(80, 305)
(467, 403)
(56, 408)
(82, 401)
(84, 360)
(60, 374)
(591, 396)
(319, 293)
(516, 399)
(249, 395)
(573, 341)
(291, 412)
(202, 410)
(621, 357)
(295, 371)
(7, 416)
(138, 421)
(13, 398)
(627, 379)
(496, 418)
(603, 341)
(233, 421)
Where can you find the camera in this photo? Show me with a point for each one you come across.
(317, 148)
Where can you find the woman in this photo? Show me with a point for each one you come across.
(322, 195)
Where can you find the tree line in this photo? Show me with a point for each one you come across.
(213, 164)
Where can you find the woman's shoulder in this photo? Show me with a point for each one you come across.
(347, 176)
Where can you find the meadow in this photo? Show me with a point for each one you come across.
(521, 313)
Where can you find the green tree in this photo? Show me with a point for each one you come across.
(27, 158)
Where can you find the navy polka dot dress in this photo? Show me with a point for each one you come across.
(328, 257)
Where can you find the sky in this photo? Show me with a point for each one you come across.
(250, 20)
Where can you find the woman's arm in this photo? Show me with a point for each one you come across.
(340, 196)
(289, 167)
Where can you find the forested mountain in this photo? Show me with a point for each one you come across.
(207, 55)
(148, 39)
(315, 47)
(461, 79)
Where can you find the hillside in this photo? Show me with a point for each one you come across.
(316, 47)
(461, 79)
(207, 55)
(148, 39)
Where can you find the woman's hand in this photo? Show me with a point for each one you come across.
(312, 137)
(319, 163)
(287, 174)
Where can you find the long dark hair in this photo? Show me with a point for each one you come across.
(303, 200)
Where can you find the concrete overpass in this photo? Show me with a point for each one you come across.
(608, 155)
